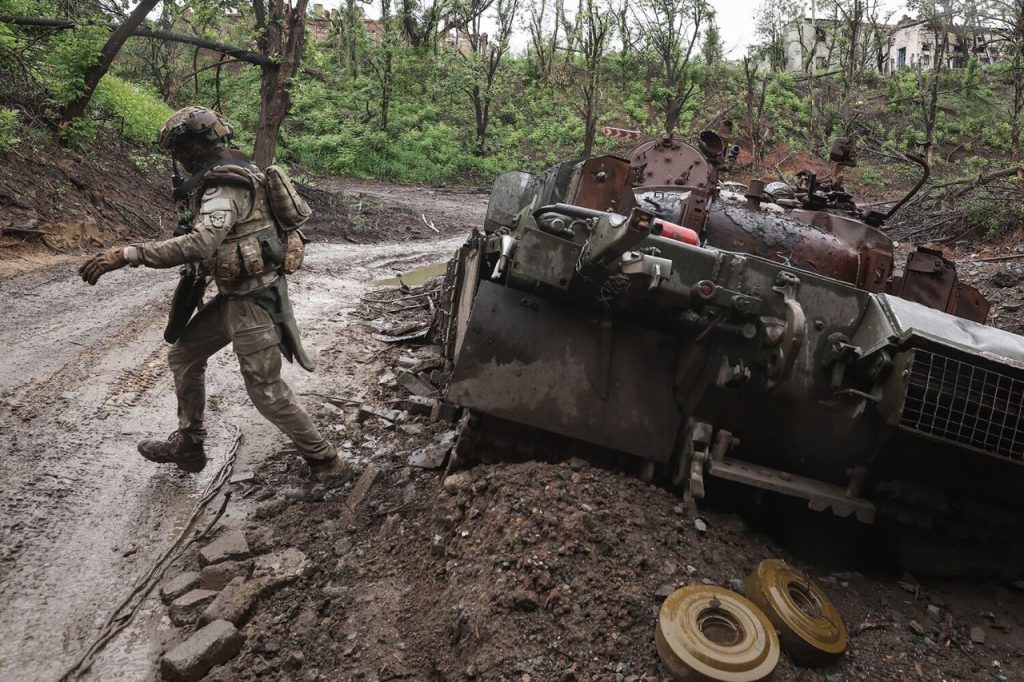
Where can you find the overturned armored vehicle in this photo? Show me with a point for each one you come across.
(633, 306)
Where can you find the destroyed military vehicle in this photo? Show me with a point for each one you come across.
(637, 307)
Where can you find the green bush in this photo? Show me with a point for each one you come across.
(138, 111)
(9, 130)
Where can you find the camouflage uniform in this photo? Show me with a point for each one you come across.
(226, 214)
(235, 239)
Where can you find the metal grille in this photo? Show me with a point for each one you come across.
(965, 404)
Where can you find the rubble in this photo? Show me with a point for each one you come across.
(236, 601)
(174, 587)
(228, 545)
(186, 609)
(216, 576)
(207, 647)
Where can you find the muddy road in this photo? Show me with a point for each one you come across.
(83, 377)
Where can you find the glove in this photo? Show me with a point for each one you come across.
(93, 269)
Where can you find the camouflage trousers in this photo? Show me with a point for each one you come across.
(250, 331)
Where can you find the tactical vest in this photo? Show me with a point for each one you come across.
(256, 250)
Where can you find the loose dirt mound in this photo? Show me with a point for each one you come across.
(548, 571)
(112, 192)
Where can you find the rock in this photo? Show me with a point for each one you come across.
(416, 386)
(664, 590)
(1011, 307)
(411, 429)
(343, 546)
(242, 477)
(444, 412)
(934, 612)
(362, 487)
(367, 411)
(216, 576)
(1007, 278)
(235, 603)
(430, 457)
(701, 525)
(210, 646)
(185, 609)
(420, 405)
(230, 545)
(978, 634)
(280, 568)
(458, 482)
(178, 585)
(915, 627)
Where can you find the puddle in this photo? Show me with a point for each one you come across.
(414, 278)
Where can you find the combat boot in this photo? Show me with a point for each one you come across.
(179, 449)
(331, 471)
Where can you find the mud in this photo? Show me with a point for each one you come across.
(84, 377)
(533, 571)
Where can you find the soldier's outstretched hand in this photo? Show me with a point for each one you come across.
(93, 269)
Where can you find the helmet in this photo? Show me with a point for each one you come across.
(200, 122)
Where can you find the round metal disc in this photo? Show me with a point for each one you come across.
(810, 627)
(710, 633)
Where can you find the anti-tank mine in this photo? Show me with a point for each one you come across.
(635, 308)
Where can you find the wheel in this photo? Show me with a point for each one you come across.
(710, 633)
(810, 627)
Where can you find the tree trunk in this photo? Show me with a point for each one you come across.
(77, 106)
(284, 48)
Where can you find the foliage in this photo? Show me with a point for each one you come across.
(9, 130)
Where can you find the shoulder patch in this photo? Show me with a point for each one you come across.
(210, 191)
(218, 218)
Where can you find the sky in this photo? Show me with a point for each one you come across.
(735, 21)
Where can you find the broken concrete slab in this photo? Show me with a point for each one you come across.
(978, 634)
(178, 585)
(185, 609)
(280, 568)
(416, 385)
(235, 603)
(216, 576)
(417, 404)
(429, 457)
(229, 545)
(362, 486)
(444, 412)
(367, 411)
(216, 643)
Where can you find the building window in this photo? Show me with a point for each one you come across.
(901, 57)
(819, 34)
(926, 47)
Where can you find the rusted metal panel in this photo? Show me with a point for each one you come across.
(603, 185)
(537, 362)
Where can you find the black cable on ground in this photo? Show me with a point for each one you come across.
(123, 614)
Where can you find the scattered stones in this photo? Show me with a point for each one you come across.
(457, 482)
(978, 634)
(235, 602)
(179, 585)
(230, 545)
(216, 576)
(280, 568)
(1007, 278)
(185, 609)
(416, 386)
(934, 612)
(209, 646)
(417, 404)
(444, 412)
(242, 477)
(915, 627)
(664, 590)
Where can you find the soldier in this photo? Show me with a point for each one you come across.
(236, 240)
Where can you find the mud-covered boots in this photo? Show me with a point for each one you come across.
(179, 448)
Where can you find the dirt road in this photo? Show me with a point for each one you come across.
(84, 376)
